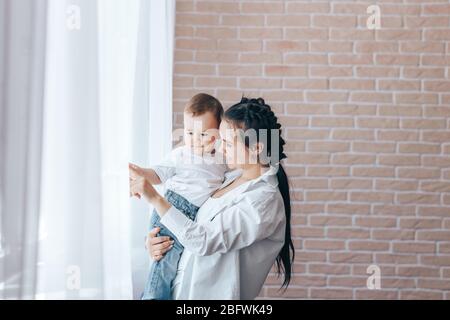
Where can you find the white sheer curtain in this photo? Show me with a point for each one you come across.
(107, 101)
(22, 47)
(152, 114)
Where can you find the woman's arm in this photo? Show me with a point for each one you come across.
(253, 218)
(239, 226)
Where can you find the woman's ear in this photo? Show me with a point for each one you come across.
(255, 152)
(259, 148)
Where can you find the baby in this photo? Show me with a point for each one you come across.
(191, 174)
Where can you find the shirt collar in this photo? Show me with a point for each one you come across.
(269, 176)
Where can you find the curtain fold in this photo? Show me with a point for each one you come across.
(70, 260)
(22, 47)
(118, 27)
(152, 112)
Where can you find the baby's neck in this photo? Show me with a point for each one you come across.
(205, 153)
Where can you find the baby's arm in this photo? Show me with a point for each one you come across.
(149, 174)
(162, 172)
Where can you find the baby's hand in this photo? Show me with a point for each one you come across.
(135, 171)
(149, 174)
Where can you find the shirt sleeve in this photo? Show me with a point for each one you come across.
(237, 227)
(166, 169)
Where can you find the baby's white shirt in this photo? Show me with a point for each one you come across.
(192, 176)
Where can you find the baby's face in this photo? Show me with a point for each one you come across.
(200, 132)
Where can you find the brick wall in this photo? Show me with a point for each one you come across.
(367, 118)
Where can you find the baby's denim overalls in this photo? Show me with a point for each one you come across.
(163, 272)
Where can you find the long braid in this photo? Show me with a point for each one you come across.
(256, 114)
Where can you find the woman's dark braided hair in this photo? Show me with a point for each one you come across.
(256, 114)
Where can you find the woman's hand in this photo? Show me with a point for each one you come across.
(157, 247)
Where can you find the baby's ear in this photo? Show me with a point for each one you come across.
(214, 132)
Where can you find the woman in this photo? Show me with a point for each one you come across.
(244, 227)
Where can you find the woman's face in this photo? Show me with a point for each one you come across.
(236, 153)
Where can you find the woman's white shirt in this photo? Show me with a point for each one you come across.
(233, 243)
